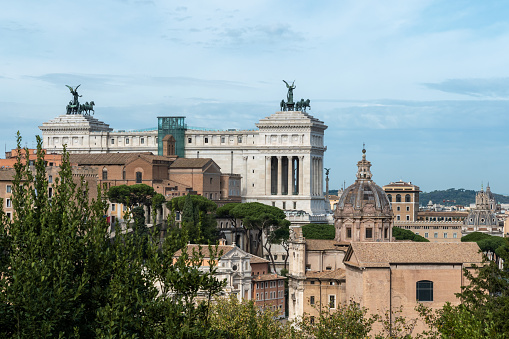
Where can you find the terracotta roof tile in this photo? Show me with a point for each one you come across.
(113, 158)
(263, 277)
(221, 249)
(320, 245)
(190, 162)
(7, 174)
(257, 260)
(338, 274)
(375, 254)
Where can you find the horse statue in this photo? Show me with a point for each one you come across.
(306, 104)
(283, 105)
(87, 107)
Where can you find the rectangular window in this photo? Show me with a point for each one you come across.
(127, 141)
(398, 217)
(284, 205)
(417, 233)
(8, 189)
(435, 235)
(189, 140)
(294, 205)
(139, 177)
(257, 296)
(206, 140)
(369, 233)
(8, 203)
(112, 207)
(454, 235)
(408, 208)
(426, 235)
(312, 300)
(445, 235)
(113, 141)
(222, 140)
(424, 290)
(8, 214)
(407, 217)
(50, 192)
(398, 208)
(50, 179)
(142, 141)
(348, 232)
(239, 140)
(332, 301)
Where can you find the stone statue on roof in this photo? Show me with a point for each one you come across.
(289, 96)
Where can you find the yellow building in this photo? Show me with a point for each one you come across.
(404, 198)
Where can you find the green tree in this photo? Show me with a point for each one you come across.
(319, 231)
(62, 276)
(486, 242)
(264, 220)
(348, 321)
(230, 318)
(55, 255)
(198, 218)
(401, 234)
(133, 195)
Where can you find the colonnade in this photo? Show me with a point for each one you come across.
(284, 175)
(317, 175)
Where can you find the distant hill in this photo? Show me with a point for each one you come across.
(461, 196)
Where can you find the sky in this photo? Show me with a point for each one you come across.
(424, 84)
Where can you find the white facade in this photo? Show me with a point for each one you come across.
(85, 134)
(281, 163)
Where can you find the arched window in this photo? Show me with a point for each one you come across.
(424, 290)
(407, 198)
(390, 197)
(398, 197)
(105, 173)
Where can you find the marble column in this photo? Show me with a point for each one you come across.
(301, 174)
(279, 175)
(290, 175)
(268, 178)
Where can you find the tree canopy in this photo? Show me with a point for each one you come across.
(198, 218)
(133, 195)
(486, 242)
(319, 231)
(401, 234)
(61, 275)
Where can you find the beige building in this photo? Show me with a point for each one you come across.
(386, 276)
(364, 265)
(316, 269)
(404, 198)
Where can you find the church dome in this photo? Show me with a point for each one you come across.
(363, 212)
(364, 191)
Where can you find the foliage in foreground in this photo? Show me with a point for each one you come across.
(233, 319)
(62, 276)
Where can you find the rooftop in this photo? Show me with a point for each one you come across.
(382, 254)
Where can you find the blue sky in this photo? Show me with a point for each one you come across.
(424, 84)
